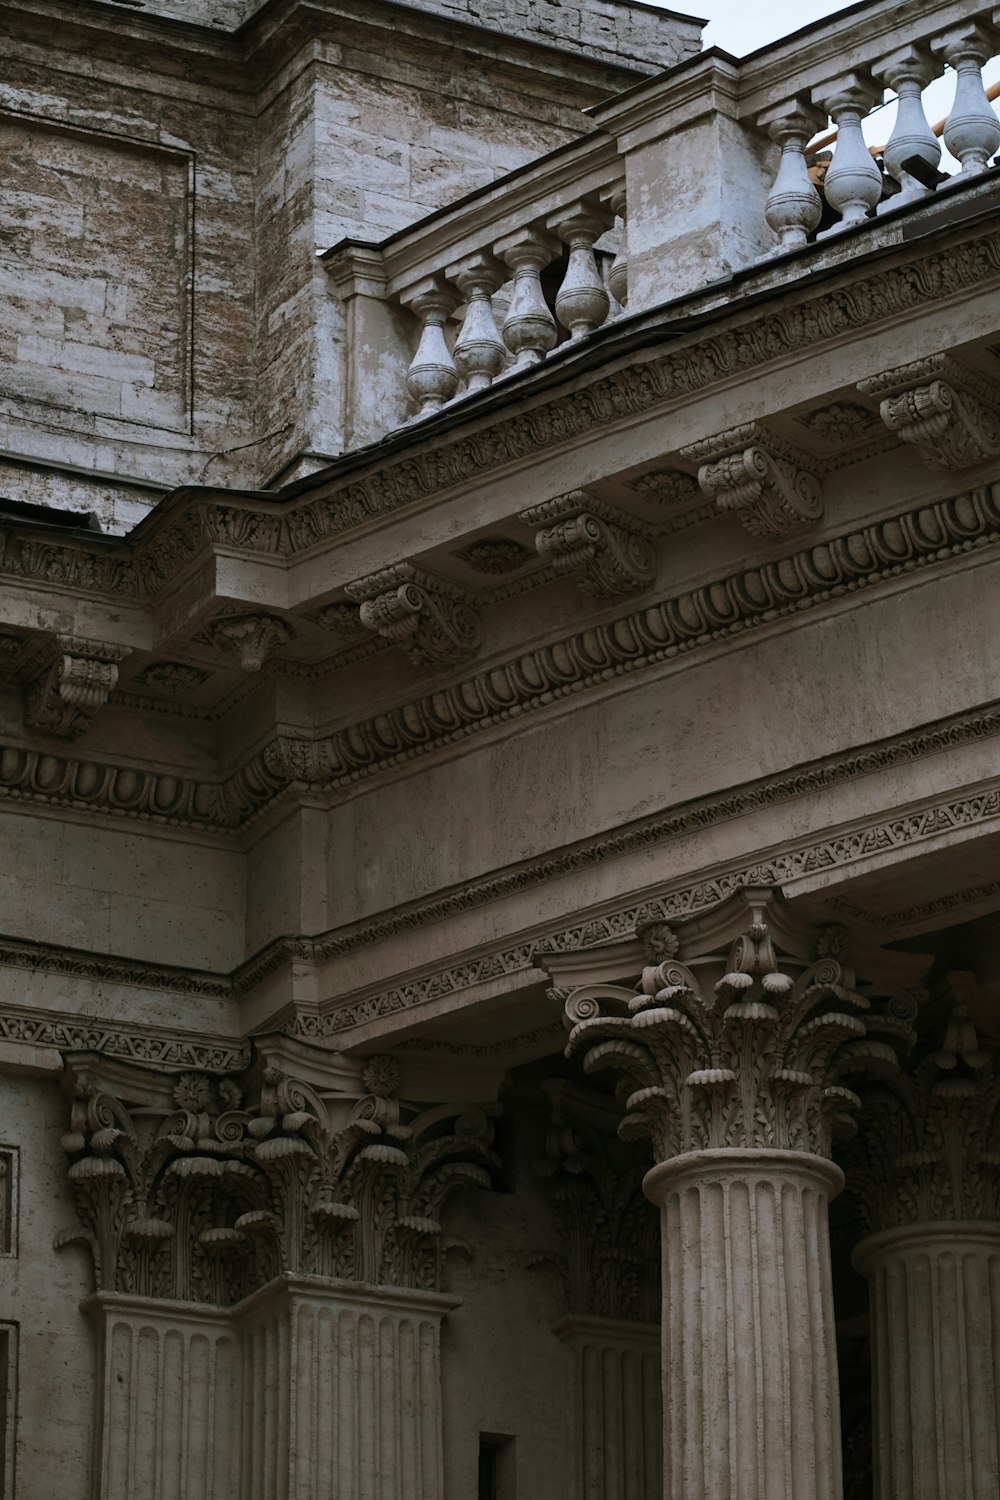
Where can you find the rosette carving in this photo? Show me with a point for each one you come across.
(760, 1058)
(159, 1205)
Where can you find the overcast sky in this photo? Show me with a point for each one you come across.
(741, 26)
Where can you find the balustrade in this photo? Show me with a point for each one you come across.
(706, 171)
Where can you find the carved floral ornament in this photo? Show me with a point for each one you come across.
(929, 1147)
(609, 1232)
(218, 1198)
(948, 412)
(762, 1056)
(430, 618)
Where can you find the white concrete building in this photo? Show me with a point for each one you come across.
(499, 796)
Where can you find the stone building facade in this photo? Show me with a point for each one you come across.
(499, 921)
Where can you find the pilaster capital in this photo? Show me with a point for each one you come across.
(609, 1233)
(225, 1183)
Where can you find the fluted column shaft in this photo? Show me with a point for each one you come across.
(935, 1319)
(750, 1395)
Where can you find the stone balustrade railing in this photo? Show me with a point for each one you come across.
(710, 169)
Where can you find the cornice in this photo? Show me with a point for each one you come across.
(49, 958)
(695, 620)
(422, 464)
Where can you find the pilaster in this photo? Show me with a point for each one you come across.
(269, 1265)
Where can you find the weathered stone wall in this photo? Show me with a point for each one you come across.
(167, 190)
(362, 136)
(53, 1369)
(619, 30)
(125, 262)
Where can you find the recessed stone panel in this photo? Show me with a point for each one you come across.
(95, 273)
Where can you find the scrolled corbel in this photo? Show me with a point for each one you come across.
(430, 618)
(761, 477)
(74, 677)
(609, 553)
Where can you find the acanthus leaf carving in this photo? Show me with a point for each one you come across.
(74, 677)
(766, 481)
(430, 618)
(929, 1145)
(608, 552)
(610, 1233)
(949, 413)
(758, 1059)
(214, 1199)
(251, 638)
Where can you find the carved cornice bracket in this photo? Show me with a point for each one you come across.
(947, 412)
(760, 476)
(429, 617)
(74, 678)
(609, 552)
(252, 638)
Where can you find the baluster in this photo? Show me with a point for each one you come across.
(432, 378)
(853, 183)
(529, 329)
(908, 72)
(793, 207)
(618, 274)
(582, 301)
(479, 352)
(972, 133)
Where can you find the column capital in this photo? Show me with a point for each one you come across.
(928, 1150)
(740, 1048)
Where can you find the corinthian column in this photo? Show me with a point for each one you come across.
(926, 1171)
(732, 1064)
